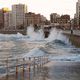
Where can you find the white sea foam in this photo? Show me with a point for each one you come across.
(57, 35)
(66, 57)
(35, 35)
(35, 53)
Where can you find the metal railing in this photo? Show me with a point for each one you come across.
(14, 66)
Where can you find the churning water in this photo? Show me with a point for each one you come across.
(57, 46)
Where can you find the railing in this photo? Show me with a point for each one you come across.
(15, 66)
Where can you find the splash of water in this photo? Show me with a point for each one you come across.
(57, 35)
(31, 35)
(38, 35)
(6, 37)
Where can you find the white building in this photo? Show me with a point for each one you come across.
(10, 20)
(6, 20)
(78, 12)
(18, 14)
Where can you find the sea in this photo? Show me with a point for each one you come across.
(57, 46)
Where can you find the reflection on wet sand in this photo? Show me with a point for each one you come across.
(55, 71)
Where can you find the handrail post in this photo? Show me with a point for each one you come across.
(29, 68)
(23, 64)
(37, 64)
(29, 63)
(44, 59)
(47, 59)
(40, 61)
(34, 65)
(7, 69)
(16, 68)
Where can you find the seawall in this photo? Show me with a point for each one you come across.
(13, 32)
(74, 39)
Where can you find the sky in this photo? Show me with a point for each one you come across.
(45, 7)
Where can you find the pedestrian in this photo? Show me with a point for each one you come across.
(71, 30)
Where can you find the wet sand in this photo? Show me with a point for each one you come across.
(52, 71)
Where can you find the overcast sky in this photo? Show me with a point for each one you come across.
(45, 7)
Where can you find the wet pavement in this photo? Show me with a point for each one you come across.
(75, 32)
(51, 71)
(64, 71)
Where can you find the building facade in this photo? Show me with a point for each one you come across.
(34, 19)
(18, 15)
(78, 14)
(62, 21)
(8, 21)
(53, 17)
(1, 19)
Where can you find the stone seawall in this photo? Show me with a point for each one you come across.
(74, 39)
(13, 32)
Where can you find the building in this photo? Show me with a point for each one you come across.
(1, 19)
(18, 16)
(65, 21)
(62, 21)
(65, 17)
(53, 17)
(75, 22)
(34, 19)
(78, 13)
(8, 21)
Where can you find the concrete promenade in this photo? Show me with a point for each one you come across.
(75, 32)
(62, 70)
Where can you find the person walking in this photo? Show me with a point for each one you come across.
(71, 30)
